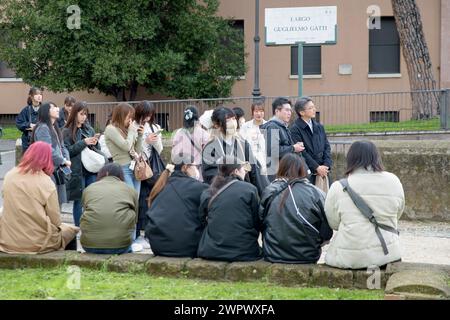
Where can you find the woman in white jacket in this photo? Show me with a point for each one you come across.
(356, 244)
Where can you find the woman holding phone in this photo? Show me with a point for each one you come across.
(48, 131)
(151, 147)
(78, 135)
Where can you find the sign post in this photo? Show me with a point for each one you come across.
(303, 26)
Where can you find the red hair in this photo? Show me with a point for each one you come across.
(38, 157)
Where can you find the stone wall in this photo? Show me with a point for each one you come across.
(423, 167)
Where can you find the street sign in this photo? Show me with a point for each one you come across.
(307, 25)
(301, 26)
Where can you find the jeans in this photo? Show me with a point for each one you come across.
(130, 179)
(87, 179)
(108, 251)
(132, 182)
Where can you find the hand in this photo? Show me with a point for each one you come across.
(322, 171)
(152, 138)
(298, 147)
(92, 141)
(68, 163)
(140, 130)
(32, 125)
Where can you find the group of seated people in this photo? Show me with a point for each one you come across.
(222, 221)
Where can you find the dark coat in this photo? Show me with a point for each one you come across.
(75, 186)
(317, 148)
(233, 225)
(174, 227)
(286, 237)
(242, 150)
(278, 142)
(23, 121)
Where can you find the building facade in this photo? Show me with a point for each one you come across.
(362, 61)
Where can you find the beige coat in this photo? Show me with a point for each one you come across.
(356, 244)
(31, 221)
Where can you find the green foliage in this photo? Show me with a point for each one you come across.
(51, 284)
(173, 47)
(10, 133)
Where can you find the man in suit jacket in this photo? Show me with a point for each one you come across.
(317, 148)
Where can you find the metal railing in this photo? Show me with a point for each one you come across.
(362, 112)
(358, 112)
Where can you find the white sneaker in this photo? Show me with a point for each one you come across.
(136, 247)
(142, 241)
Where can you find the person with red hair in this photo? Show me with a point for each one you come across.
(31, 221)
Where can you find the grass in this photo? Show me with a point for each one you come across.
(32, 284)
(10, 133)
(410, 125)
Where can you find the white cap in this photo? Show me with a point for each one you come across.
(205, 119)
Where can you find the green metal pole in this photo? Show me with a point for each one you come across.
(300, 70)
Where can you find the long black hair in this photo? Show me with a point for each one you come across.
(44, 118)
(227, 165)
(363, 154)
(220, 116)
(143, 110)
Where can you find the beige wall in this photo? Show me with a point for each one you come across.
(352, 48)
(445, 44)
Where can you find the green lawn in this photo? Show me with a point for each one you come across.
(411, 125)
(52, 284)
(10, 133)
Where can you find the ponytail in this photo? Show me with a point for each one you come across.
(159, 186)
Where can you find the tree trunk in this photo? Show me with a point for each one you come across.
(133, 90)
(415, 50)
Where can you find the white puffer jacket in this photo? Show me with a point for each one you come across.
(356, 244)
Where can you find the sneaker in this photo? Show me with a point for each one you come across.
(136, 247)
(142, 241)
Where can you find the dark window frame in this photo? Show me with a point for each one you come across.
(384, 48)
(312, 60)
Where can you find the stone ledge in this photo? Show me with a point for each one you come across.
(292, 275)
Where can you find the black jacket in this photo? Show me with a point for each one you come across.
(287, 238)
(233, 225)
(317, 148)
(277, 131)
(26, 116)
(242, 150)
(174, 227)
(75, 186)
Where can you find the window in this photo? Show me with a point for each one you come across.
(384, 116)
(6, 72)
(384, 48)
(312, 60)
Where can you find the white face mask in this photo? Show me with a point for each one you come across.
(193, 173)
(231, 127)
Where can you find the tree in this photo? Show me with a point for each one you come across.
(415, 50)
(172, 47)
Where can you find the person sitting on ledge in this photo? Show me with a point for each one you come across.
(230, 207)
(293, 215)
(109, 220)
(359, 243)
(31, 221)
(174, 227)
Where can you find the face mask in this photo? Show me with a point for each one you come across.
(231, 127)
(241, 122)
(194, 173)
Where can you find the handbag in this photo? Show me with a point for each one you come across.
(92, 161)
(322, 183)
(60, 177)
(142, 170)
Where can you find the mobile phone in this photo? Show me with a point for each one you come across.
(159, 131)
(97, 135)
(66, 170)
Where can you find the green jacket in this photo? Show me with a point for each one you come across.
(110, 214)
(119, 147)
